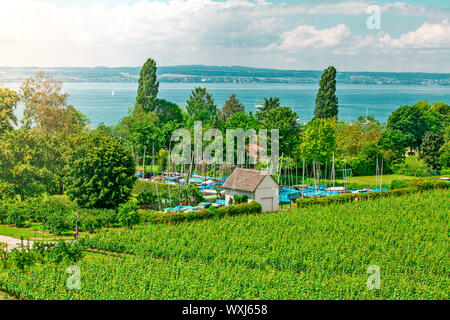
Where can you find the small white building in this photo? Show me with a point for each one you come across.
(257, 185)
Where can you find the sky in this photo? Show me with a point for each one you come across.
(411, 36)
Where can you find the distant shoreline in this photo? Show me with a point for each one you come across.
(218, 74)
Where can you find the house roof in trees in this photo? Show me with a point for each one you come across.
(245, 179)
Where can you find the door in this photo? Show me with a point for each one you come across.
(267, 204)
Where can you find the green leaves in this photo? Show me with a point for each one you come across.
(318, 140)
(8, 103)
(408, 120)
(100, 172)
(148, 86)
(201, 107)
(431, 145)
(285, 120)
(326, 100)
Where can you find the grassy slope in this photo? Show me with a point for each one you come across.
(315, 253)
(11, 231)
(33, 233)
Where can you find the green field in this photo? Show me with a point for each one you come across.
(314, 253)
(33, 233)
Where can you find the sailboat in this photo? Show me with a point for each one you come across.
(112, 93)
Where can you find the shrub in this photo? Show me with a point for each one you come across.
(62, 251)
(6, 190)
(58, 222)
(365, 163)
(92, 219)
(147, 197)
(237, 199)
(171, 217)
(128, 214)
(20, 258)
(412, 186)
(59, 214)
(413, 166)
(398, 184)
(428, 184)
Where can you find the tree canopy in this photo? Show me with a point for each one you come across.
(100, 172)
(232, 106)
(286, 121)
(26, 162)
(148, 86)
(394, 143)
(269, 103)
(432, 143)
(201, 107)
(409, 120)
(8, 103)
(318, 140)
(46, 109)
(326, 99)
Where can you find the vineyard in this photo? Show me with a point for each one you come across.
(311, 253)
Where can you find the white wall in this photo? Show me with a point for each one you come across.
(268, 188)
(229, 193)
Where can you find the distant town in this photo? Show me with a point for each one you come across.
(224, 74)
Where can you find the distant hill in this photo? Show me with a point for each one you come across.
(222, 74)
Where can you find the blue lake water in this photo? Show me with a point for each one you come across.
(96, 101)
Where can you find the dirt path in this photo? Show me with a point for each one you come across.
(12, 243)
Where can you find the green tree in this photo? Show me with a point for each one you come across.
(433, 120)
(8, 103)
(128, 214)
(269, 103)
(326, 99)
(366, 162)
(444, 157)
(232, 106)
(318, 141)
(165, 110)
(100, 172)
(242, 120)
(410, 121)
(351, 137)
(46, 108)
(443, 111)
(25, 162)
(432, 143)
(201, 107)
(286, 121)
(394, 143)
(148, 85)
(141, 129)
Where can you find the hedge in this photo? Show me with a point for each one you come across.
(173, 217)
(56, 213)
(412, 187)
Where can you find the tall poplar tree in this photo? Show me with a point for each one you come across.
(326, 99)
(148, 86)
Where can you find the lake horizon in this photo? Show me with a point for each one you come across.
(108, 102)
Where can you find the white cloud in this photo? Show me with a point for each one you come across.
(237, 32)
(305, 36)
(427, 36)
